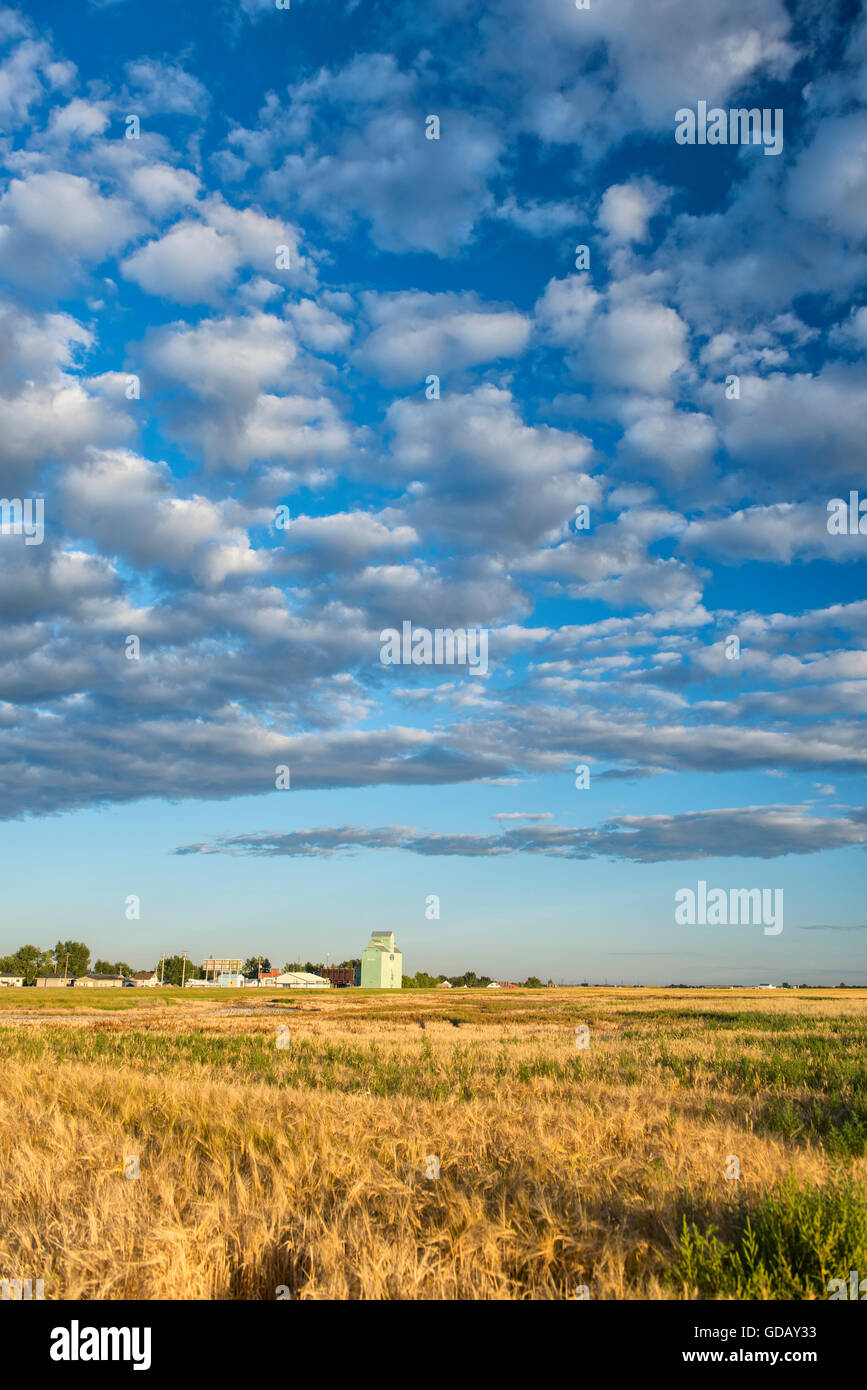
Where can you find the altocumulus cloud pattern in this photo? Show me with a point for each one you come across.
(324, 320)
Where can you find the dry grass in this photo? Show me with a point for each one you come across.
(305, 1166)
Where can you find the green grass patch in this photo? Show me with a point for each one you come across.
(786, 1246)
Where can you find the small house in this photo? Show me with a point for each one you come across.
(142, 979)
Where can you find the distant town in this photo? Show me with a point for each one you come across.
(67, 965)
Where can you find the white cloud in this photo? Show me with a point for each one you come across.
(129, 506)
(484, 473)
(624, 339)
(80, 118)
(803, 424)
(318, 327)
(676, 443)
(829, 180)
(165, 89)
(539, 219)
(414, 334)
(196, 262)
(191, 264)
(366, 159)
(67, 215)
(163, 189)
(626, 209)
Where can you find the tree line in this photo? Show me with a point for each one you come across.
(470, 980)
(72, 959)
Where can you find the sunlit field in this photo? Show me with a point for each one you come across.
(290, 1143)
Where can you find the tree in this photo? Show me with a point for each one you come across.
(174, 970)
(28, 961)
(71, 958)
(533, 982)
(469, 979)
(253, 965)
(421, 980)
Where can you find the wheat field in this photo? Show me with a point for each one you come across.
(433, 1146)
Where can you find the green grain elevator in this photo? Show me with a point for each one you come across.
(381, 962)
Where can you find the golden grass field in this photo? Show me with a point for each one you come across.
(562, 1169)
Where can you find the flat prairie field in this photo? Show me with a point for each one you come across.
(543, 1144)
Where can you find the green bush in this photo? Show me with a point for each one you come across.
(788, 1245)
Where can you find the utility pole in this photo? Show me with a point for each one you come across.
(163, 968)
(66, 967)
(184, 970)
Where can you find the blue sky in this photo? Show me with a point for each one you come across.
(303, 386)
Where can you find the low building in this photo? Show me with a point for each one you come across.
(142, 979)
(52, 981)
(230, 979)
(444, 984)
(381, 962)
(93, 981)
(495, 984)
(11, 981)
(301, 979)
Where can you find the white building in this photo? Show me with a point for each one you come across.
(300, 979)
(11, 981)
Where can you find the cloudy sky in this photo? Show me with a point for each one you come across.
(231, 259)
